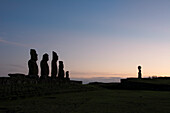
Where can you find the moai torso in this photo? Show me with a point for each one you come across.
(54, 65)
(32, 64)
(33, 68)
(61, 70)
(44, 67)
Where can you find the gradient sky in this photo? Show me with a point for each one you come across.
(94, 38)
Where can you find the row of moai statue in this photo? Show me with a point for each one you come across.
(33, 67)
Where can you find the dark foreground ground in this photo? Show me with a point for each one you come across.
(98, 100)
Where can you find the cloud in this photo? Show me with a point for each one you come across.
(16, 66)
(12, 43)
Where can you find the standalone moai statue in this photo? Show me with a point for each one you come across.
(61, 70)
(44, 67)
(67, 75)
(54, 65)
(32, 64)
(139, 73)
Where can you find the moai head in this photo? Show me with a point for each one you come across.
(139, 67)
(45, 57)
(55, 56)
(61, 64)
(34, 55)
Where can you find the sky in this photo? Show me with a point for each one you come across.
(94, 38)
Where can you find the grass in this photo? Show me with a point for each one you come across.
(94, 101)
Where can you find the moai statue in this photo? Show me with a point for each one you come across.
(54, 65)
(44, 67)
(139, 73)
(67, 75)
(61, 70)
(32, 64)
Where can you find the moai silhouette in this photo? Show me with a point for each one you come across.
(44, 67)
(32, 64)
(61, 70)
(67, 75)
(139, 73)
(54, 65)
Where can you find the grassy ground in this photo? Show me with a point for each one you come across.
(98, 101)
(13, 92)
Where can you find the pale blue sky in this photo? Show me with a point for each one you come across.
(94, 38)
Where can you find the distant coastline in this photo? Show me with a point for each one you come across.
(99, 79)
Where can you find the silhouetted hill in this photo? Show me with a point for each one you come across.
(160, 83)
